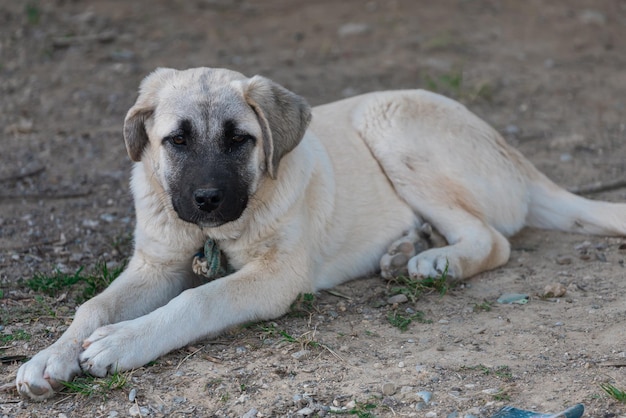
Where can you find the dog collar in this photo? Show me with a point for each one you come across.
(211, 262)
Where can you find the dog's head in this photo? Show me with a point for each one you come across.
(210, 135)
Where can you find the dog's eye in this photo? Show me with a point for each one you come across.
(239, 138)
(178, 140)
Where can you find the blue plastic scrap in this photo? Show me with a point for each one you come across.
(575, 411)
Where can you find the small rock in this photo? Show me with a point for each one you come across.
(350, 29)
(401, 364)
(251, 413)
(400, 298)
(473, 411)
(132, 395)
(454, 414)
(431, 414)
(491, 391)
(351, 404)
(406, 389)
(511, 130)
(91, 224)
(134, 411)
(113, 414)
(76, 257)
(563, 260)
(240, 350)
(554, 290)
(62, 415)
(388, 388)
(301, 355)
(305, 411)
(425, 395)
(592, 17)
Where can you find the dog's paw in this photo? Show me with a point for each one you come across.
(41, 376)
(394, 263)
(432, 263)
(113, 348)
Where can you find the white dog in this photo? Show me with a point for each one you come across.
(221, 156)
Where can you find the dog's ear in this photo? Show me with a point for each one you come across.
(283, 116)
(135, 135)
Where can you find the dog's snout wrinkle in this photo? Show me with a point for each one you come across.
(208, 199)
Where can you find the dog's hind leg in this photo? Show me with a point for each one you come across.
(474, 246)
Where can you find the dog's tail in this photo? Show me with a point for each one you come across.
(553, 207)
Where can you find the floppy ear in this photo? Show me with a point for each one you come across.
(135, 135)
(283, 116)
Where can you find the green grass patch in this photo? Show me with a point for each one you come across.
(615, 393)
(17, 335)
(33, 12)
(361, 410)
(484, 306)
(413, 289)
(402, 321)
(452, 84)
(503, 372)
(90, 386)
(303, 305)
(87, 285)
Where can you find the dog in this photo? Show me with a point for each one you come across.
(296, 208)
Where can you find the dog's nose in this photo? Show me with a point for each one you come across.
(208, 200)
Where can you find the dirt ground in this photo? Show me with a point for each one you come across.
(549, 75)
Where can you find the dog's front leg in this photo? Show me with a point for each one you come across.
(256, 292)
(143, 287)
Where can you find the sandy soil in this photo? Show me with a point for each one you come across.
(550, 75)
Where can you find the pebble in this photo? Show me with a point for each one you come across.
(305, 411)
(388, 388)
(400, 298)
(62, 415)
(350, 29)
(301, 355)
(563, 260)
(136, 411)
(425, 395)
(592, 17)
(554, 290)
(113, 414)
(251, 413)
(511, 130)
(431, 414)
(491, 391)
(132, 395)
